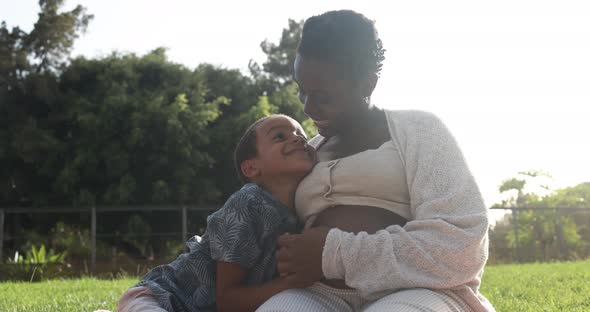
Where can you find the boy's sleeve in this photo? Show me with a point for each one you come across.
(234, 232)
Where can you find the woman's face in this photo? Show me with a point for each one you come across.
(330, 98)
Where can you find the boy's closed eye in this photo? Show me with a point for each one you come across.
(279, 137)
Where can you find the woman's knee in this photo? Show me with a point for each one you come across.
(292, 300)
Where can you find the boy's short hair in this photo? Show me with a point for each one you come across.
(247, 147)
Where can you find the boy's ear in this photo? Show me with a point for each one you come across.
(250, 168)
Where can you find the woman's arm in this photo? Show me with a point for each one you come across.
(445, 245)
(233, 296)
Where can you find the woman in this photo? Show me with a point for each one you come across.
(394, 218)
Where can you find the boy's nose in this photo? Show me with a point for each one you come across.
(309, 108)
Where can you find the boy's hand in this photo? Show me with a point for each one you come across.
(299, 256)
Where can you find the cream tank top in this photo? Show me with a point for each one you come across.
(375, 177)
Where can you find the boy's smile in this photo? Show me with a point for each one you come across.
(304, 150)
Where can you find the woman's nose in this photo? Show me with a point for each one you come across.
(308, 107)
(297, 139)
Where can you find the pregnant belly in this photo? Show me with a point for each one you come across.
(356, 219)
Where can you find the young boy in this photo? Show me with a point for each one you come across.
(233, 266)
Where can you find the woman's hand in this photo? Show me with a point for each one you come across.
(300, 256)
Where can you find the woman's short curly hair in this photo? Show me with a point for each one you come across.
(346, 38)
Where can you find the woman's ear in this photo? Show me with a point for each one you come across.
(250, 168)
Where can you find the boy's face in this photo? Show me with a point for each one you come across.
(283, 149)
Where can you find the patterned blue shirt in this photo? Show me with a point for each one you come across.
(244, 231)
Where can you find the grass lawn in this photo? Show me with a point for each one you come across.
(79, 295)
(520, 287)
(559, 286)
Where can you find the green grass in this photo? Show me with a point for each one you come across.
(77, 295)
(561, 286)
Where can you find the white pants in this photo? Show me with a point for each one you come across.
(322, 298)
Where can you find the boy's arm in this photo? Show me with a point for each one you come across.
(232, 295)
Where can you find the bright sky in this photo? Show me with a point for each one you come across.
(511, 78)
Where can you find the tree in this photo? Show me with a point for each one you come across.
(541, 233)
(277, 71)
(526, 185)
(54, 33)
(138, 128)
(575, 196)
(126, 129)
(29, 68)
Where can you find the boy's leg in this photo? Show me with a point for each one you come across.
(314, 298)
(137, 299)
(417, 300)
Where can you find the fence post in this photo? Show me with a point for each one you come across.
(93, 239)
(1, 235)
(559, 233)
(515, 220)
(184, 224)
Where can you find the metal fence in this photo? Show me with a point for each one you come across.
(543, 228)
(94, 213)
(517, 251)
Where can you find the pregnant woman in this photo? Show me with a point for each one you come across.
(394, 219)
